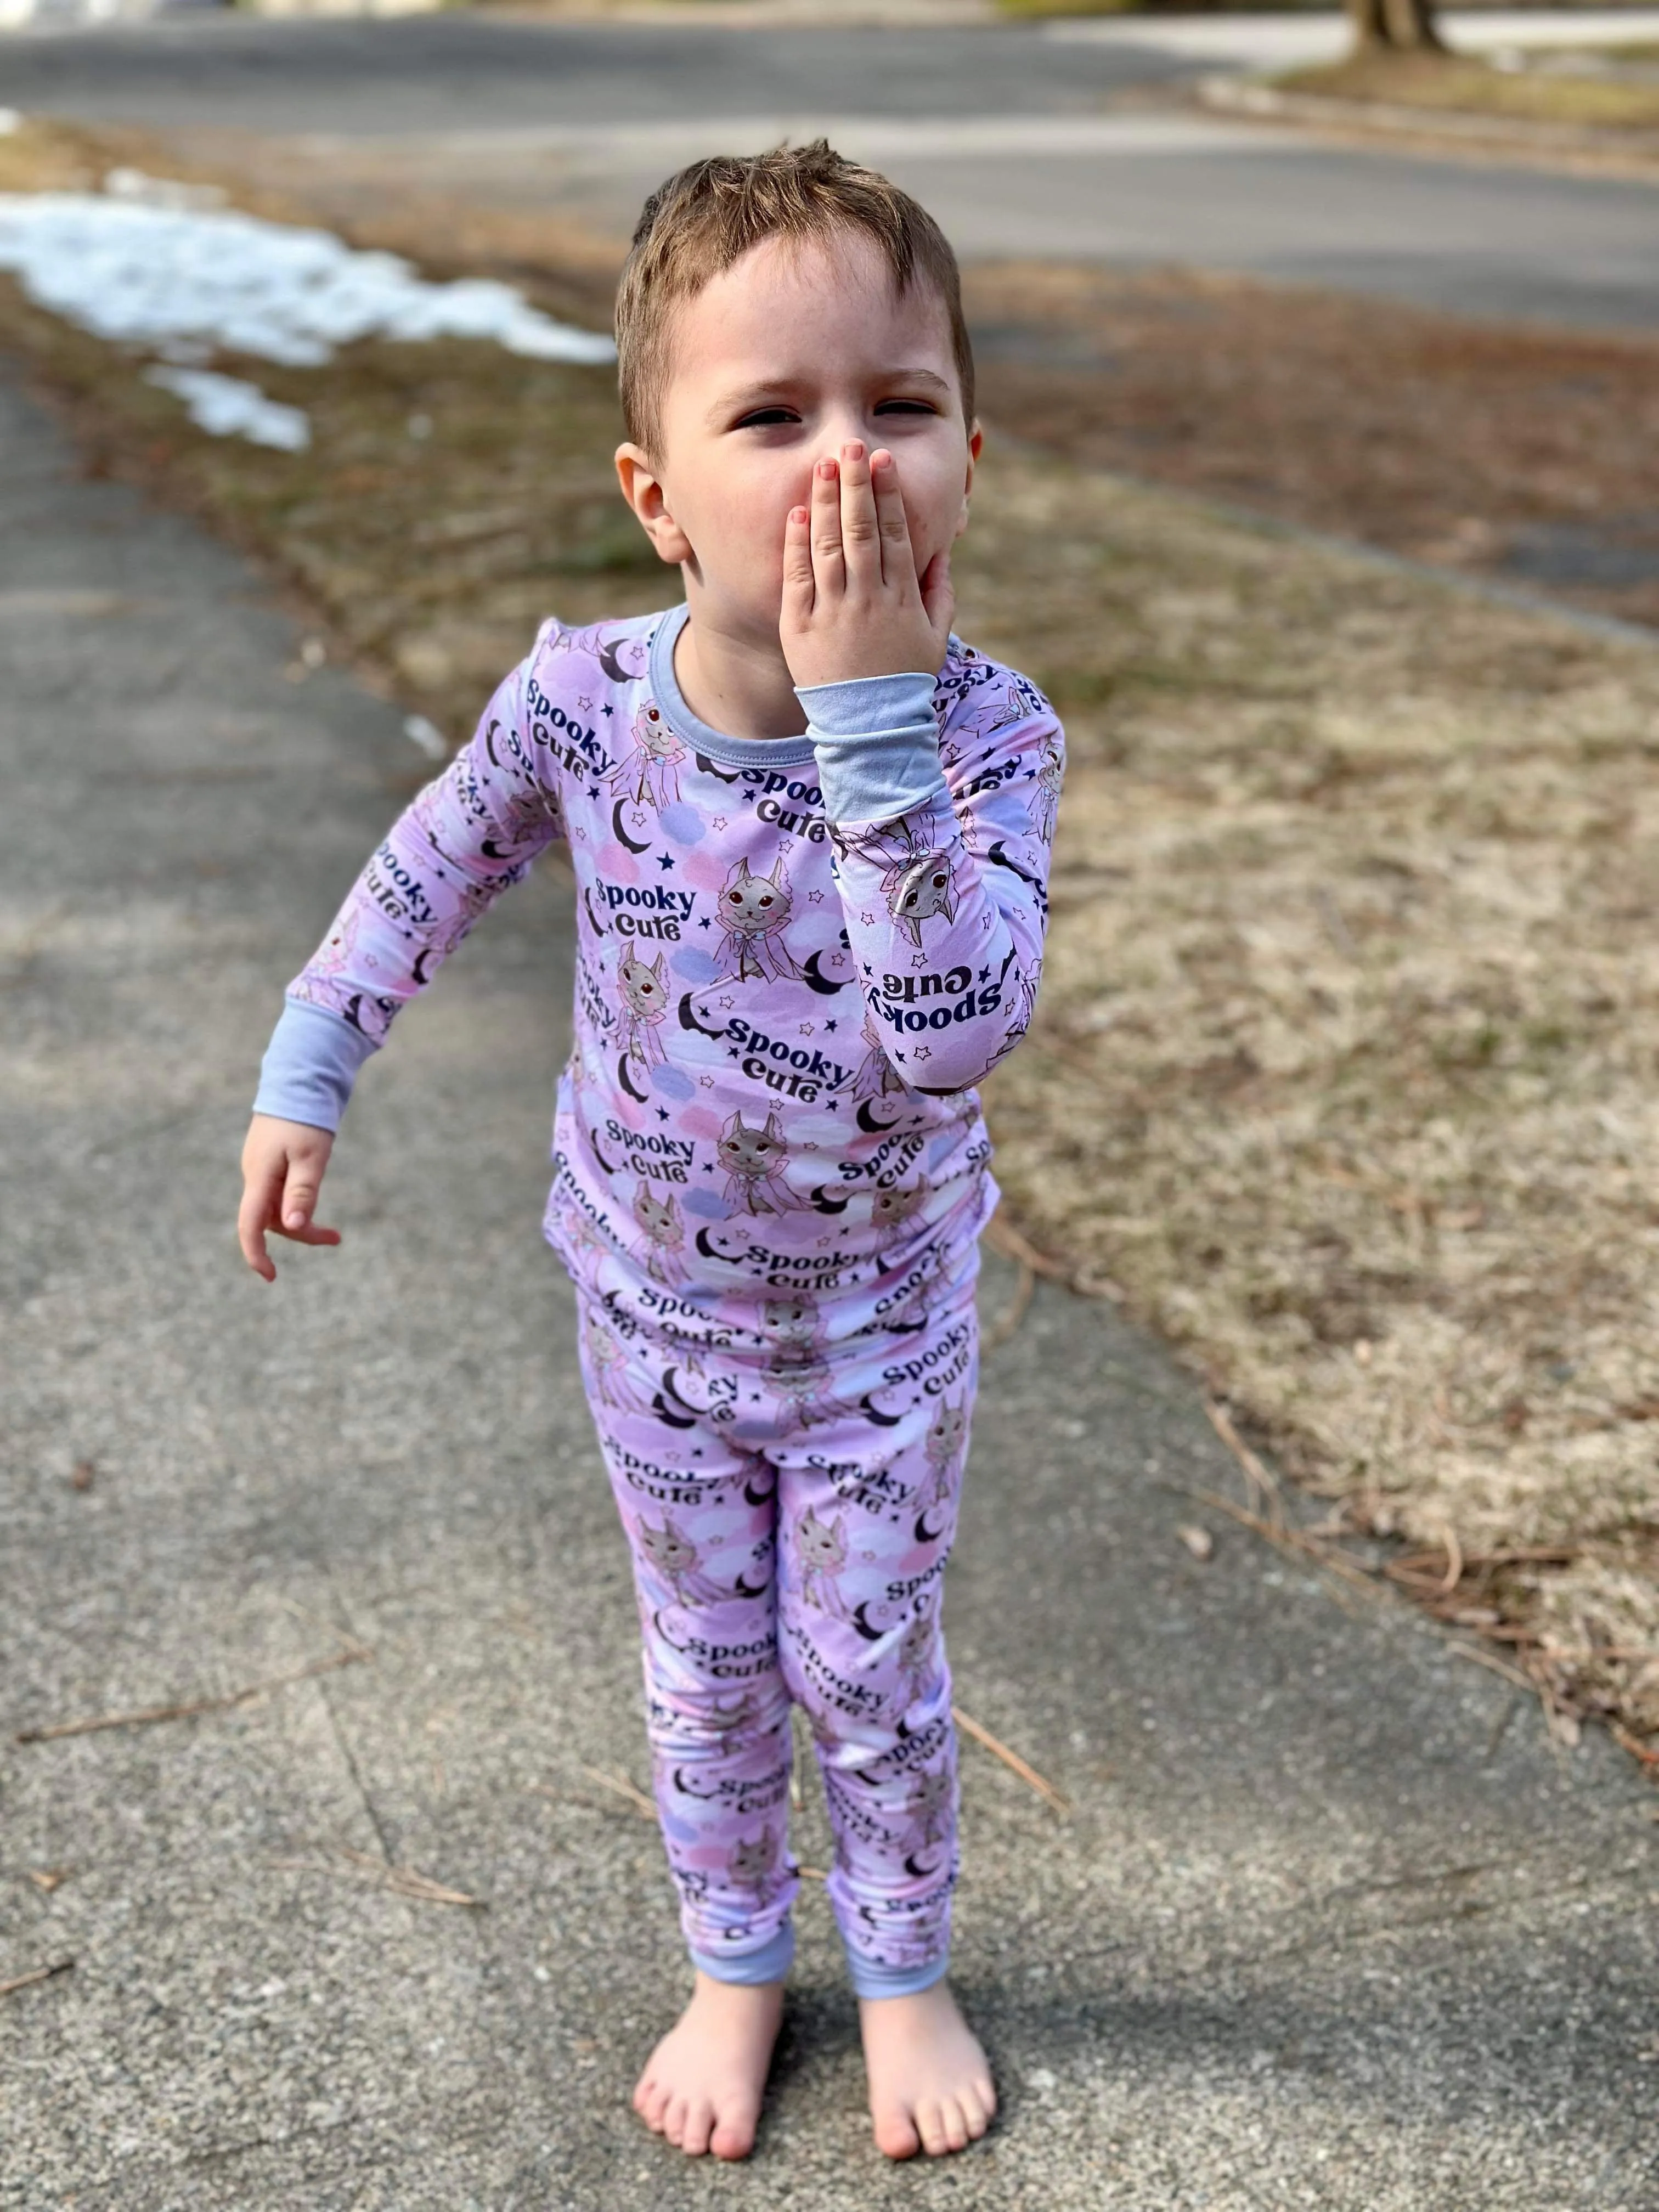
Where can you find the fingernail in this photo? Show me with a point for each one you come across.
(826, 468)
(853, 449)
(798, 514)
(881, 460)
(294, 1220)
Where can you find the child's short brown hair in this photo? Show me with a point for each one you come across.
(694, 227)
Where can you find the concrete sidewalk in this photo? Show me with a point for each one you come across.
(1330, 1923)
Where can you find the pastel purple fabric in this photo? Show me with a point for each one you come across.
(796, 958)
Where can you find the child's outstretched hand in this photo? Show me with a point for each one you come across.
(853, 603)
(283, 1164)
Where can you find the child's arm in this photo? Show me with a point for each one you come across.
(472, 831)
(944, 895)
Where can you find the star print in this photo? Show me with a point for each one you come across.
(806, 1028)
(837, 959)
(898, 1055)
(593, 790)
(918, 959)
(586, 705)
(923, 1052)
(984, 974)
(579, 834)
(731, 1052)
(662, 1111)
(639, 817)
(704, 923)
(607, 708)
(728, 1003)
(868, 920)
(814, 898)
(829, 1029)
(833, 1104)
(709, 1167)
(664, 860)
(719, 821)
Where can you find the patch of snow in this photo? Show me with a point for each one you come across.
(226, 407)
(159, 276)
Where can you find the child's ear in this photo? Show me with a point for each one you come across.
(975, 447)
(642, 488)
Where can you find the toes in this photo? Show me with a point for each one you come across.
(699, 2126)
(673, 2122)
(930, 2125)
(975, 2116)
(895, 2133)
(954, 2121)
(734, 2131)
(649, 2101)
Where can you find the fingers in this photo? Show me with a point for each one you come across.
(300, 1194)
(829, 565)
(798, 592)
(251, 1220)
(898, 559)
(860, 538)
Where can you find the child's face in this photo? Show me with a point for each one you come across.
(794, 351)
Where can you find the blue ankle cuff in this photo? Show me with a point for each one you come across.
(750, 1968)
(870, 1980)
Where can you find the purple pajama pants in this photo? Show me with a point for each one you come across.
(790, 1510)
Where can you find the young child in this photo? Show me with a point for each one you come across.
(811, 832)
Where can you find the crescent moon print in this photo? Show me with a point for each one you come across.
(869, 1124)
(689, 1019)
(593, 1140)
(812, 975)
(701, 1240)
(822, 1203)
(419, 970)
(882, 1420)
(924, 1534)
(870, 1635)
(998, 855)
(608, 656)
(920, 1873)
(594, 923)
(632, 843)
(667, 1415)
(622, 1077)
(740, 1588)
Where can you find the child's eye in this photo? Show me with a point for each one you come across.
(766, 418)
(907, 407)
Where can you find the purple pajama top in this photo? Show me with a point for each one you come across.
(795, 959)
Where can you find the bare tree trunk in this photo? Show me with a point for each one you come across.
(1403, 26)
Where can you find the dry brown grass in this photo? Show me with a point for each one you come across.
(1456, 84)
(1344, 1067)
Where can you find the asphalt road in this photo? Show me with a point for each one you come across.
(1329, 1924)
(1023, 143)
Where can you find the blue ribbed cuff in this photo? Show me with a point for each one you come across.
(310, 1066)
(750, 1968)
(870, 1980)
(876, 743)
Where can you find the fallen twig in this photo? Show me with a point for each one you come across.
(1493, 1665)
(1011, 1759)
(404, 1881)
(347, 1658)
(1286, 1539)
(39, 1974)
(1264, 1483)
(1014, 1312)
(624, 1787)
(1002, 1236)
(1647, 1753)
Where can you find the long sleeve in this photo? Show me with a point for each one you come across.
(472, 831)
(939, 796)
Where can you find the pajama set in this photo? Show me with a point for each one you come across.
(795, 957)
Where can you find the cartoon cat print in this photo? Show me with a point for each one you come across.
(821, 1550)
(754, 1157)
(947, 1435)
(649, 771)
(891, 1208)
(754, 911)
(664, 1244)
(644, 994)
(675, 1561)
(917, 881)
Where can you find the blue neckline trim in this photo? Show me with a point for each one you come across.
(702, 737)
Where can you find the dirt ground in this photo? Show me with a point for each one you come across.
(1343, 1074)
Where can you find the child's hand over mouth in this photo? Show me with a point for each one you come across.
(853, 603)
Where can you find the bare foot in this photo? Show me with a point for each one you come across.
(701, 2085)
(930, 2087)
